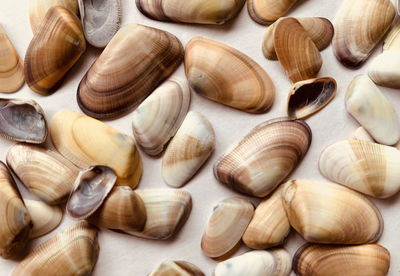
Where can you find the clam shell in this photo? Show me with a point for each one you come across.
(22, 120)
(267, 11)
(269, 225)
(361, 134)
(324, 212)
(91, 188)
(73, 252)
(194, 11)
(369, 168)
(100, 20)
(296, 51)
(259, 162)
(157, 119)
(392, 39)
(11, 67)
(15, 221)
(277, 262)
(46, 173)
(372, 110)
(359, 26)
(177, 268)
(147, 57)
(188, 150)
(309, 96)
(45, 218)
(328, 260)
(226, 75)
(384, 70)
(55, 48)
(88, 142)
(226, 226)
(167, 211)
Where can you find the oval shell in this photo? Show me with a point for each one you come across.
(267, 11)
(177, 268)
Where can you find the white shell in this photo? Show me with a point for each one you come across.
(384, 69)
(361, 134)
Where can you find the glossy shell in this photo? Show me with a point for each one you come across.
(267, 11)
(177, 268)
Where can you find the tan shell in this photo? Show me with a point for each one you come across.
(267, 11)
(86, 142)
(177, 268)
(226, 226)
(392, 39)
(72, 252)
(260, 161)
(327, 260)
(348, 217)
(226, 75)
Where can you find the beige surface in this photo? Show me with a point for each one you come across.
(125, 255)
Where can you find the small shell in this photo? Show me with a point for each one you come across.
(177, 268)
(361, 134)
(348, 217)
(267, 11)
(384, 70)
(226, 75)
(328, 260)
(45, 218)
(259, 162)
(157, 119)
(188, 150)
(46, 173)
(269, 225)
(73, 252)
(392, 39)
(275, 262)
(369, 168)
(365, 102)
(226, 226)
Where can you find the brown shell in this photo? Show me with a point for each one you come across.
(267, 11)
(177, 268)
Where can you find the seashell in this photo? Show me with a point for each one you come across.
(11, 67)
(201, 12)
(384, 71)
(319, 29)
(397, 6)
(369, 168)
(167, 211)
(348, 217)
(392, 39)
(188, 150)
(55, 48)
(259, 162)
(91, 188)
(39, 8)
(359, 26)
(15, 221)
(267, 11)
(72, 252)
(226, 75)
(22, 120)
(46, 173)
(296, 51)
(45, 218)
(147, 57)
(122, 210)
(88, 142)
(362, 134)
(226, 226)
(328, 260)
(177, 268)
(372, 110)
(158, 118)
(277, 262)
(269, 226)
(100, 20)
(309, 96)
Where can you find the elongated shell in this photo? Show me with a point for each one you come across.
(177, 268)
(225, 75)
(259, 162)
(134, 63)
(348, 217)
(158, 118)
(359, 26)
(365, 102)
(15, 221)
(226, 226)
(327, 260)
(275, 262)
(367, 167)
(55, 48)
(269, 225)
(72, 252)
(392, 39)
(361, 134)
(87, 142)
(189, 149)
(194, 11)
(384, 70)
(267, 11)
(46, 173)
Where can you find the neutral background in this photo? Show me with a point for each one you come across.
(126, 255)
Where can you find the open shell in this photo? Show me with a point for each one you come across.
(177, 268)
(267, 11)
